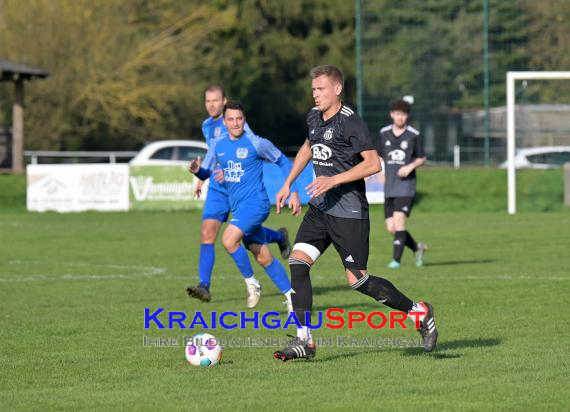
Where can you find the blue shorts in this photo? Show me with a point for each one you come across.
(249, 220)
(217, 206)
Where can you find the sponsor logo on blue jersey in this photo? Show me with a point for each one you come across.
(233, 172)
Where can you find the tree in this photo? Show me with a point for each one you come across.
(549, 48)
(124, 72)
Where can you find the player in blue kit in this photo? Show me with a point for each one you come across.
(217, 206)
(240, 155)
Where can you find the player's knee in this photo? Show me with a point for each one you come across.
(264, 259)
(399, 223)
(229, 244)
(208, 234)
(300, 256)
(399, 217)
(305, 252)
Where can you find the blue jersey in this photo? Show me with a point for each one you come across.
(213, 129)
(242, 163)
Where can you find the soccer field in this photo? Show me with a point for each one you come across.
(73, 289)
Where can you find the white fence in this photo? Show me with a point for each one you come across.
(111, 156)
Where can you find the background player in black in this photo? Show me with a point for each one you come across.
(340, 148)
(401, 148)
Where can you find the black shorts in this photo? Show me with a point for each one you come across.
(398, 204)
(350, 237)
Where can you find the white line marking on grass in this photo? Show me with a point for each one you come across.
(29, 278)
(499, 277)
(139, 272)
(509, 277)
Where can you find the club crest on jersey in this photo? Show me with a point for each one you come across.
(321, 152)
(241, 152)
(387, 143)
(404, 145)
(217, 131)
(328, 134)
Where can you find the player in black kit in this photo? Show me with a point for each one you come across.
(342, 153)
(400, 146)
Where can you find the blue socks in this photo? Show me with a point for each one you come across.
(206, 265)
(241, 259)
(278, 275)
(274, 270)
(272, 236)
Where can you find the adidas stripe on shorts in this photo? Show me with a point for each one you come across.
(350, 237)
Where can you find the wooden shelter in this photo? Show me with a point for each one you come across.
(17, 74)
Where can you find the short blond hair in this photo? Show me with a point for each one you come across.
(330, 71)
(216, 88)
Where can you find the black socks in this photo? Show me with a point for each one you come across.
(302, 296)
(383, 291)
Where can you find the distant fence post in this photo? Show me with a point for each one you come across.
(456, 156)
(18, 128)
(567, 184)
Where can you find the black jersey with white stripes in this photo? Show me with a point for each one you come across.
(397, 151)
(336, 145)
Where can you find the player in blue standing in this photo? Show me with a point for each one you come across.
(217, 207)
(241, 155)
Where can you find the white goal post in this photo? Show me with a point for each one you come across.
(512, 77)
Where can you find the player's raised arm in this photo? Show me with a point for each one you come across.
(203, 169)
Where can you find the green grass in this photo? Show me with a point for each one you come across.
(485, 190)
(73, 289)
(12, 193)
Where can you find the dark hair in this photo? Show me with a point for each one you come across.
(400, 105)
(216, 88)
(330, 71)
(234, 105)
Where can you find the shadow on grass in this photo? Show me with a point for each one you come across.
(349, 353)
(322, 290)
(450, 345)
(460, 262)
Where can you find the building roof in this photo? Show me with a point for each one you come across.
(10, 71)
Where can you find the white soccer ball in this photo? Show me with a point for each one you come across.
(205, 350)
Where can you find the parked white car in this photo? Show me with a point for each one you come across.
(169, 152)
(543, 157)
